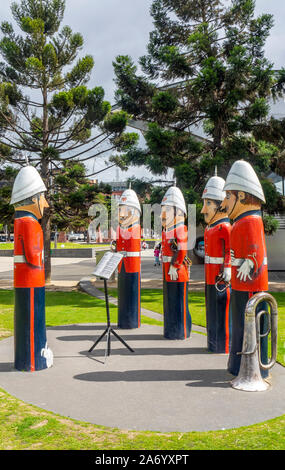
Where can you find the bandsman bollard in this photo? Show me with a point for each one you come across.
(217, 267)
(30, 343)
(244, 197)
(128, 243)
(177, 319)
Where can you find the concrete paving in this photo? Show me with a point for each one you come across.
(162, 386)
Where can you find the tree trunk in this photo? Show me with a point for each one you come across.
(217, 136)
(46, 225)
(88, 237)
(46, 230)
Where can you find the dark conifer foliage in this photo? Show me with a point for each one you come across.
(47, 111)
(205, 66)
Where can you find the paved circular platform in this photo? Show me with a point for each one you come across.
(163, 386)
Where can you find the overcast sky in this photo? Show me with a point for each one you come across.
(114, 27)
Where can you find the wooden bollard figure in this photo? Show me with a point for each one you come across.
(128, 242)
(30, 343)
(177, 318)
(217, 267)
(244, 197)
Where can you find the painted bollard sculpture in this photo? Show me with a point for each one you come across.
(177, 318)
(30, 343)
(244, 197)
(128, 242)
(217, 267)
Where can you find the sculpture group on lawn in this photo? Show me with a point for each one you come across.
(237, 255)
(235, 265)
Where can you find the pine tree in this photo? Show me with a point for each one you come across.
(73, 195)
(62, 118)
(273, 131)
(205, 65)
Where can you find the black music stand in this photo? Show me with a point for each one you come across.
(105, 269)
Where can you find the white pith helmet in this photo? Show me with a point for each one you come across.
(129, 198)
(214, 189)
(242, 177)
(28, 183)
(174, 197)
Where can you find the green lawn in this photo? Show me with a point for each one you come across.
(62, 308)
(23, 426)
(152, 299)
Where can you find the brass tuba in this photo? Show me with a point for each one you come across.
(249, 378)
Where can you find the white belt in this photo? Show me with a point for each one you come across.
(239, 261)
(19, 259)
(167, 259)
(213, 260)
(130, 253)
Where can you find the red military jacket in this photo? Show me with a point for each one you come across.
(217, 249)
(129, 243)
(28, 251)
(178, 232)
(248, 242)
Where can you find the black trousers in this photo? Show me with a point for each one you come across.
(29, 328)
(218, 319)
(129, 302)
(177, 318)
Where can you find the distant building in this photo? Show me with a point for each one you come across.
(118, 187)
(93, 181)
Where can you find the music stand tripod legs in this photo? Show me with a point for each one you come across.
(109, 329)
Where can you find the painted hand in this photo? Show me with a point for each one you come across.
(227, 274)
(48, 354)
(173, 273)
(245, 269)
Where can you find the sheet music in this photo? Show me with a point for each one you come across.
(107, 265)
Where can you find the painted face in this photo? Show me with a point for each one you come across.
(209, 210)
(127, 215)
(231, 204)
(40, 205)
(167, 215)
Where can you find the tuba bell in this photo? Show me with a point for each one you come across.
(249, 378)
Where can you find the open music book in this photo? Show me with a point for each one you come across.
(107, 265)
